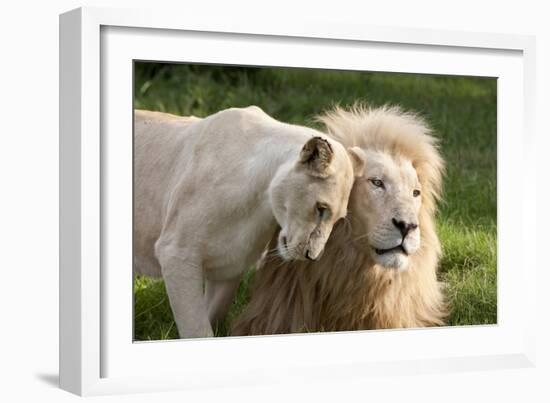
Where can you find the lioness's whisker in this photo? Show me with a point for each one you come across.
(274, 253)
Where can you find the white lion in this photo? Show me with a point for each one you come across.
(379, 269)
(210, 193)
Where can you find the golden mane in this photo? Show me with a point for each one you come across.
(345, 289)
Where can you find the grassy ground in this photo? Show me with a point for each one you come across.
(461, 110)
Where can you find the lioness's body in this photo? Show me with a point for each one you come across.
(176, 153)
(209, 194)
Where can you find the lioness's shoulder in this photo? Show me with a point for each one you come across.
(250, 112)
(240, 121)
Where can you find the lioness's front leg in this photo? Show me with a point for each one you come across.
(219, 296)
(184, 280)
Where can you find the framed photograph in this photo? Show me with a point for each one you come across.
(426, 128)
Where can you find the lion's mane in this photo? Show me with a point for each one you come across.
(345, 289)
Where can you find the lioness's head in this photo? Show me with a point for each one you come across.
(396, 196)
(312, 194)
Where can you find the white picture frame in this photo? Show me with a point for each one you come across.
(96, 354)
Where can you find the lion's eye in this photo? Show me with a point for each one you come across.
(377, 182)
(416, 193)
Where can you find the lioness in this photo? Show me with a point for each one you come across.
(209, 194)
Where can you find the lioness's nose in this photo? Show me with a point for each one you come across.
(404, 227)
(310, 257)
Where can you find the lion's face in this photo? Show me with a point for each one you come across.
(385, 205)
(309, 199)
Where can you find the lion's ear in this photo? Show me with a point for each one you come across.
(316, 155)
(358, 160)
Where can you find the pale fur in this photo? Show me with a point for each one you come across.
(210, 193)
(348, 288)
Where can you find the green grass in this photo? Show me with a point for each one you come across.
(462, 111)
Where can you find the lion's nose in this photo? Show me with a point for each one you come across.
(404, 227)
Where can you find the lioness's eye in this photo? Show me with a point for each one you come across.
(377, 182)
(321, 210)
(416, 192)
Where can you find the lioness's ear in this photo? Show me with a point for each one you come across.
(358, 160)
(316, 155)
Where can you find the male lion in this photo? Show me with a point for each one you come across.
(379, 266)
(209, 194)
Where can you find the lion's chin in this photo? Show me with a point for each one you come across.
(393, 261)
